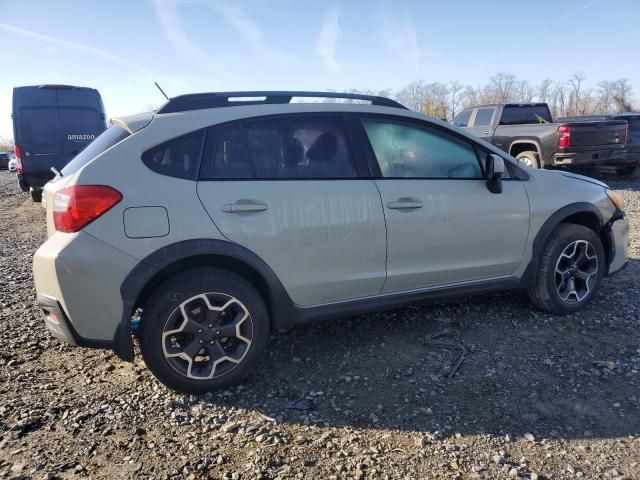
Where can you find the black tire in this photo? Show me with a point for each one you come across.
(36, 195)
(626, 171)
(163, 306)
(529, 158)
(543, 292)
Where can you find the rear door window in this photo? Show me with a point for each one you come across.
(483, 117)
(106, 140)
(462, 119)
(299, 147)
(179, 157)
(40, 130)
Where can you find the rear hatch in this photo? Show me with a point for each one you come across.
(609, 133)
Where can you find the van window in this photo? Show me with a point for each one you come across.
(294, 147)
(80, 124)
(106, 140)
(40, 128)
(179, 157)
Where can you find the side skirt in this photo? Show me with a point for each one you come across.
(291, 315)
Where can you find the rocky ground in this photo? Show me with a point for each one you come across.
(537, 396)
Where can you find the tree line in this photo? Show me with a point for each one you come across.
(565, 98)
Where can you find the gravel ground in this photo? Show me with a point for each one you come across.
(537, 396)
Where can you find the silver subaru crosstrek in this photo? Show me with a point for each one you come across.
(204, 226)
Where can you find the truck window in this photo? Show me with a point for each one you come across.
(462, 119)
(40, 128)
(483, 117)
(524, 114)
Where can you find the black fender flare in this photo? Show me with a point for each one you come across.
(136, 281)
(547, 229)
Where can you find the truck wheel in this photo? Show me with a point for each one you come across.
(529, 158)
(626, 171)
(36, 195)
(203, 330)
(570, 270)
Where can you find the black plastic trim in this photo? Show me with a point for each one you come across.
(547, 229)
(296, 315)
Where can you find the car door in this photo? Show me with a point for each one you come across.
(291, 190)
(444, 227)
(481, 123)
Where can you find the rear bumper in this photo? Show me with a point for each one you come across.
(594, 157)
(78, 278)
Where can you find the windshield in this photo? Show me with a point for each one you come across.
(106, 140)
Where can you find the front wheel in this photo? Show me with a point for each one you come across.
(570, 270)
(203, 330)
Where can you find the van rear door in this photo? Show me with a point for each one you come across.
(38, 132)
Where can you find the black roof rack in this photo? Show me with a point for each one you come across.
(199, 101)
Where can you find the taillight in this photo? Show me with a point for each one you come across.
(565, 136)
(18, 153)
(77, 206)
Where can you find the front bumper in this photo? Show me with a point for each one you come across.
(618, 227)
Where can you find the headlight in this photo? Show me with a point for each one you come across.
(616, 199)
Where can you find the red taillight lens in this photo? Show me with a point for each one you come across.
(18, 152)
(565, 136)
(77, 206)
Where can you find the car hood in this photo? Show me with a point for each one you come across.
(585, 179)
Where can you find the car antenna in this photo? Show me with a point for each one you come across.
(161, 91)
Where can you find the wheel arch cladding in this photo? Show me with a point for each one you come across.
(186, 255)
(580, 213)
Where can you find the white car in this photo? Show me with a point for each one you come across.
(13, 165)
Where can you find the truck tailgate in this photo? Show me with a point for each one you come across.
(602, 133)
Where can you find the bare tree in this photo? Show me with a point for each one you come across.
(622, 92)
(6, 144)
(575, 97)
(457, 94)
(543, 90)
(502, 86)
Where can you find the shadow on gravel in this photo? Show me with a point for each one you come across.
(524, 371)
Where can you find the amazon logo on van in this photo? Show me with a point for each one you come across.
(80, 137)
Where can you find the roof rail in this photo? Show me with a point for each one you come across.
(199, 101)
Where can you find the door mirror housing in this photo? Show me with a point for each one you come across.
(494, 166)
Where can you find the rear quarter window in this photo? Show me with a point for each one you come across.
(106, 140)
(178, 157)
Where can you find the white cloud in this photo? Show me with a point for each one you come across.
(251, 32)
(53, 43)
(173, 26)
(326, 43)
(399, 35)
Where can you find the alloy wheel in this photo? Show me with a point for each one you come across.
(576, 271)
(207, 335)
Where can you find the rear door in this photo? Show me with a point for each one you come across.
(291, 189)
(481, 123)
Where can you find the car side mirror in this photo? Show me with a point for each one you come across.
(494, 166)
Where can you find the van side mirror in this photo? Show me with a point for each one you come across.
(494, 166)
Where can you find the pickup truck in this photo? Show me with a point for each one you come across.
(527, 132)
(632, 147)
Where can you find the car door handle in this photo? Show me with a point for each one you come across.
(244, 207)
(488, 132)
(404, 203)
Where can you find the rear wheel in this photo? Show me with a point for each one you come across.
(36, 195)
(570, 269)
(626, 171)
(529, 158)
(204, 330)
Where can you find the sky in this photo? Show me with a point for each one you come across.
(121, 47)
